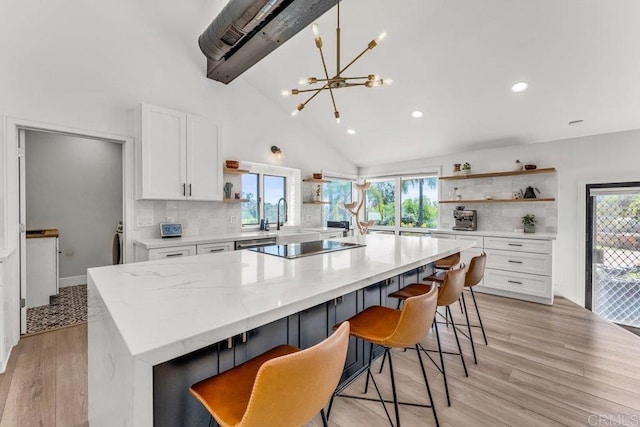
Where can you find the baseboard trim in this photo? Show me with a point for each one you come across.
(72, 281)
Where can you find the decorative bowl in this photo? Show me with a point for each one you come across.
(317, 176)
(530, 167)
(233, 164)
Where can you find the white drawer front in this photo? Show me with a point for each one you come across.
(478, 239)
(331, 235)
(443, 236)
(522, 262)
(173, 252)
(518, 282)
(212, 248)
(521, 245)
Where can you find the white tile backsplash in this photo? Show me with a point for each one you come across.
(503, 216)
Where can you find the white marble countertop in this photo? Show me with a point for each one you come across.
(155, 243)
(534, 236)
(166, 308)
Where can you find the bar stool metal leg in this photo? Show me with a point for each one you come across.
(479, 318)
(466, 315)
(444, 372)
(426, 381)
(455, 333)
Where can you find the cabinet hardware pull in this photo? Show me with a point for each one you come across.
(184, 189)
(176, 254)
(515, 262)
(515, 244)
(244, 337)
(230, 342)
(514, 282)
(217, 250)
(189, 190)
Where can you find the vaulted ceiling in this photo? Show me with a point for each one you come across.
(456, 61)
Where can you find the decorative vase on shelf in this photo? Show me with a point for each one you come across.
(227, 190)
(518, 166)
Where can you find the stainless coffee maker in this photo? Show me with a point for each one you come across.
(465, 219)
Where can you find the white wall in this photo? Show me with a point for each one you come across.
(75, 185)
(579, 161)
(88, 64)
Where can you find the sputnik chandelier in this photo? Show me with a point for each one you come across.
(338, 81)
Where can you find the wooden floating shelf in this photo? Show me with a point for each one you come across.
(235, 171)
(499, 200)
(316, 180)
(314, 202)
(497, 174)
(235, 200)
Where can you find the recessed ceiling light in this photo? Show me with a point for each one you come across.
(575, 122)
(417, 114)
(351, 131)
(519, 87)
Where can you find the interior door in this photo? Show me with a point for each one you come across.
(22, 215)
(613, 252)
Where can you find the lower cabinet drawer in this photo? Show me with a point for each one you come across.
(523, 262)
(515, 244)
(213, 248)
(172, 252)
(529, 284)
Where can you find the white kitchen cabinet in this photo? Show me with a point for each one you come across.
(212, 248)
(42, 270)
(172, 252)
(517, 266)
(178, 156)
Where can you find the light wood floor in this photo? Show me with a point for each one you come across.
(544, 366)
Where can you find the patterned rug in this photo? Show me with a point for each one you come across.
(69, 307)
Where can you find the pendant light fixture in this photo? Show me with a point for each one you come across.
(338, 81)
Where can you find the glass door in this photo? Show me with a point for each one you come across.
(613, 252)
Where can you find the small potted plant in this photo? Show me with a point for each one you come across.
(529, 222)
(466, 167)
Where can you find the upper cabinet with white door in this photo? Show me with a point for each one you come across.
(178, 156)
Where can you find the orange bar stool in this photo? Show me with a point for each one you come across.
(285, 386)
(450, 291)
(391, 328)
(448, 262)
(474, 276)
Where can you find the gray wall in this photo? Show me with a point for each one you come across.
(75, 185)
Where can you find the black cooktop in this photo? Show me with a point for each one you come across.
(297, 250)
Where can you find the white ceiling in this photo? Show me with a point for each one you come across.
(456, 60)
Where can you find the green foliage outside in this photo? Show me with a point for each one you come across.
(336, 192)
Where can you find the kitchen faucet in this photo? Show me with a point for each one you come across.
(282, 199)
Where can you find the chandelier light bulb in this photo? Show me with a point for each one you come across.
(303, 81)
(315, 29)
(294, 113)
(351, 131)
(382, 36)
(386, 81)
(285, 93)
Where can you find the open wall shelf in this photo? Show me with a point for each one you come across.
(540, 199)
(498, 174)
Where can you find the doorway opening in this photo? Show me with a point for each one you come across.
(613, 253)
(71, 190)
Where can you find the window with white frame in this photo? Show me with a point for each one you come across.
(263, 187)
(403, 202)
(337, 192)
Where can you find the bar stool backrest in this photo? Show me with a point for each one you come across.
(290, 390)
(452, 286)
(476, 270)
(415, 320)
(448, 262)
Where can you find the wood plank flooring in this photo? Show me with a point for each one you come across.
(544, 366)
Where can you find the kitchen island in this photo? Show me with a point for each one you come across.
(156, 327)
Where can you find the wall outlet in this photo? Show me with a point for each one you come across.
(232, 219)
(143, 221)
